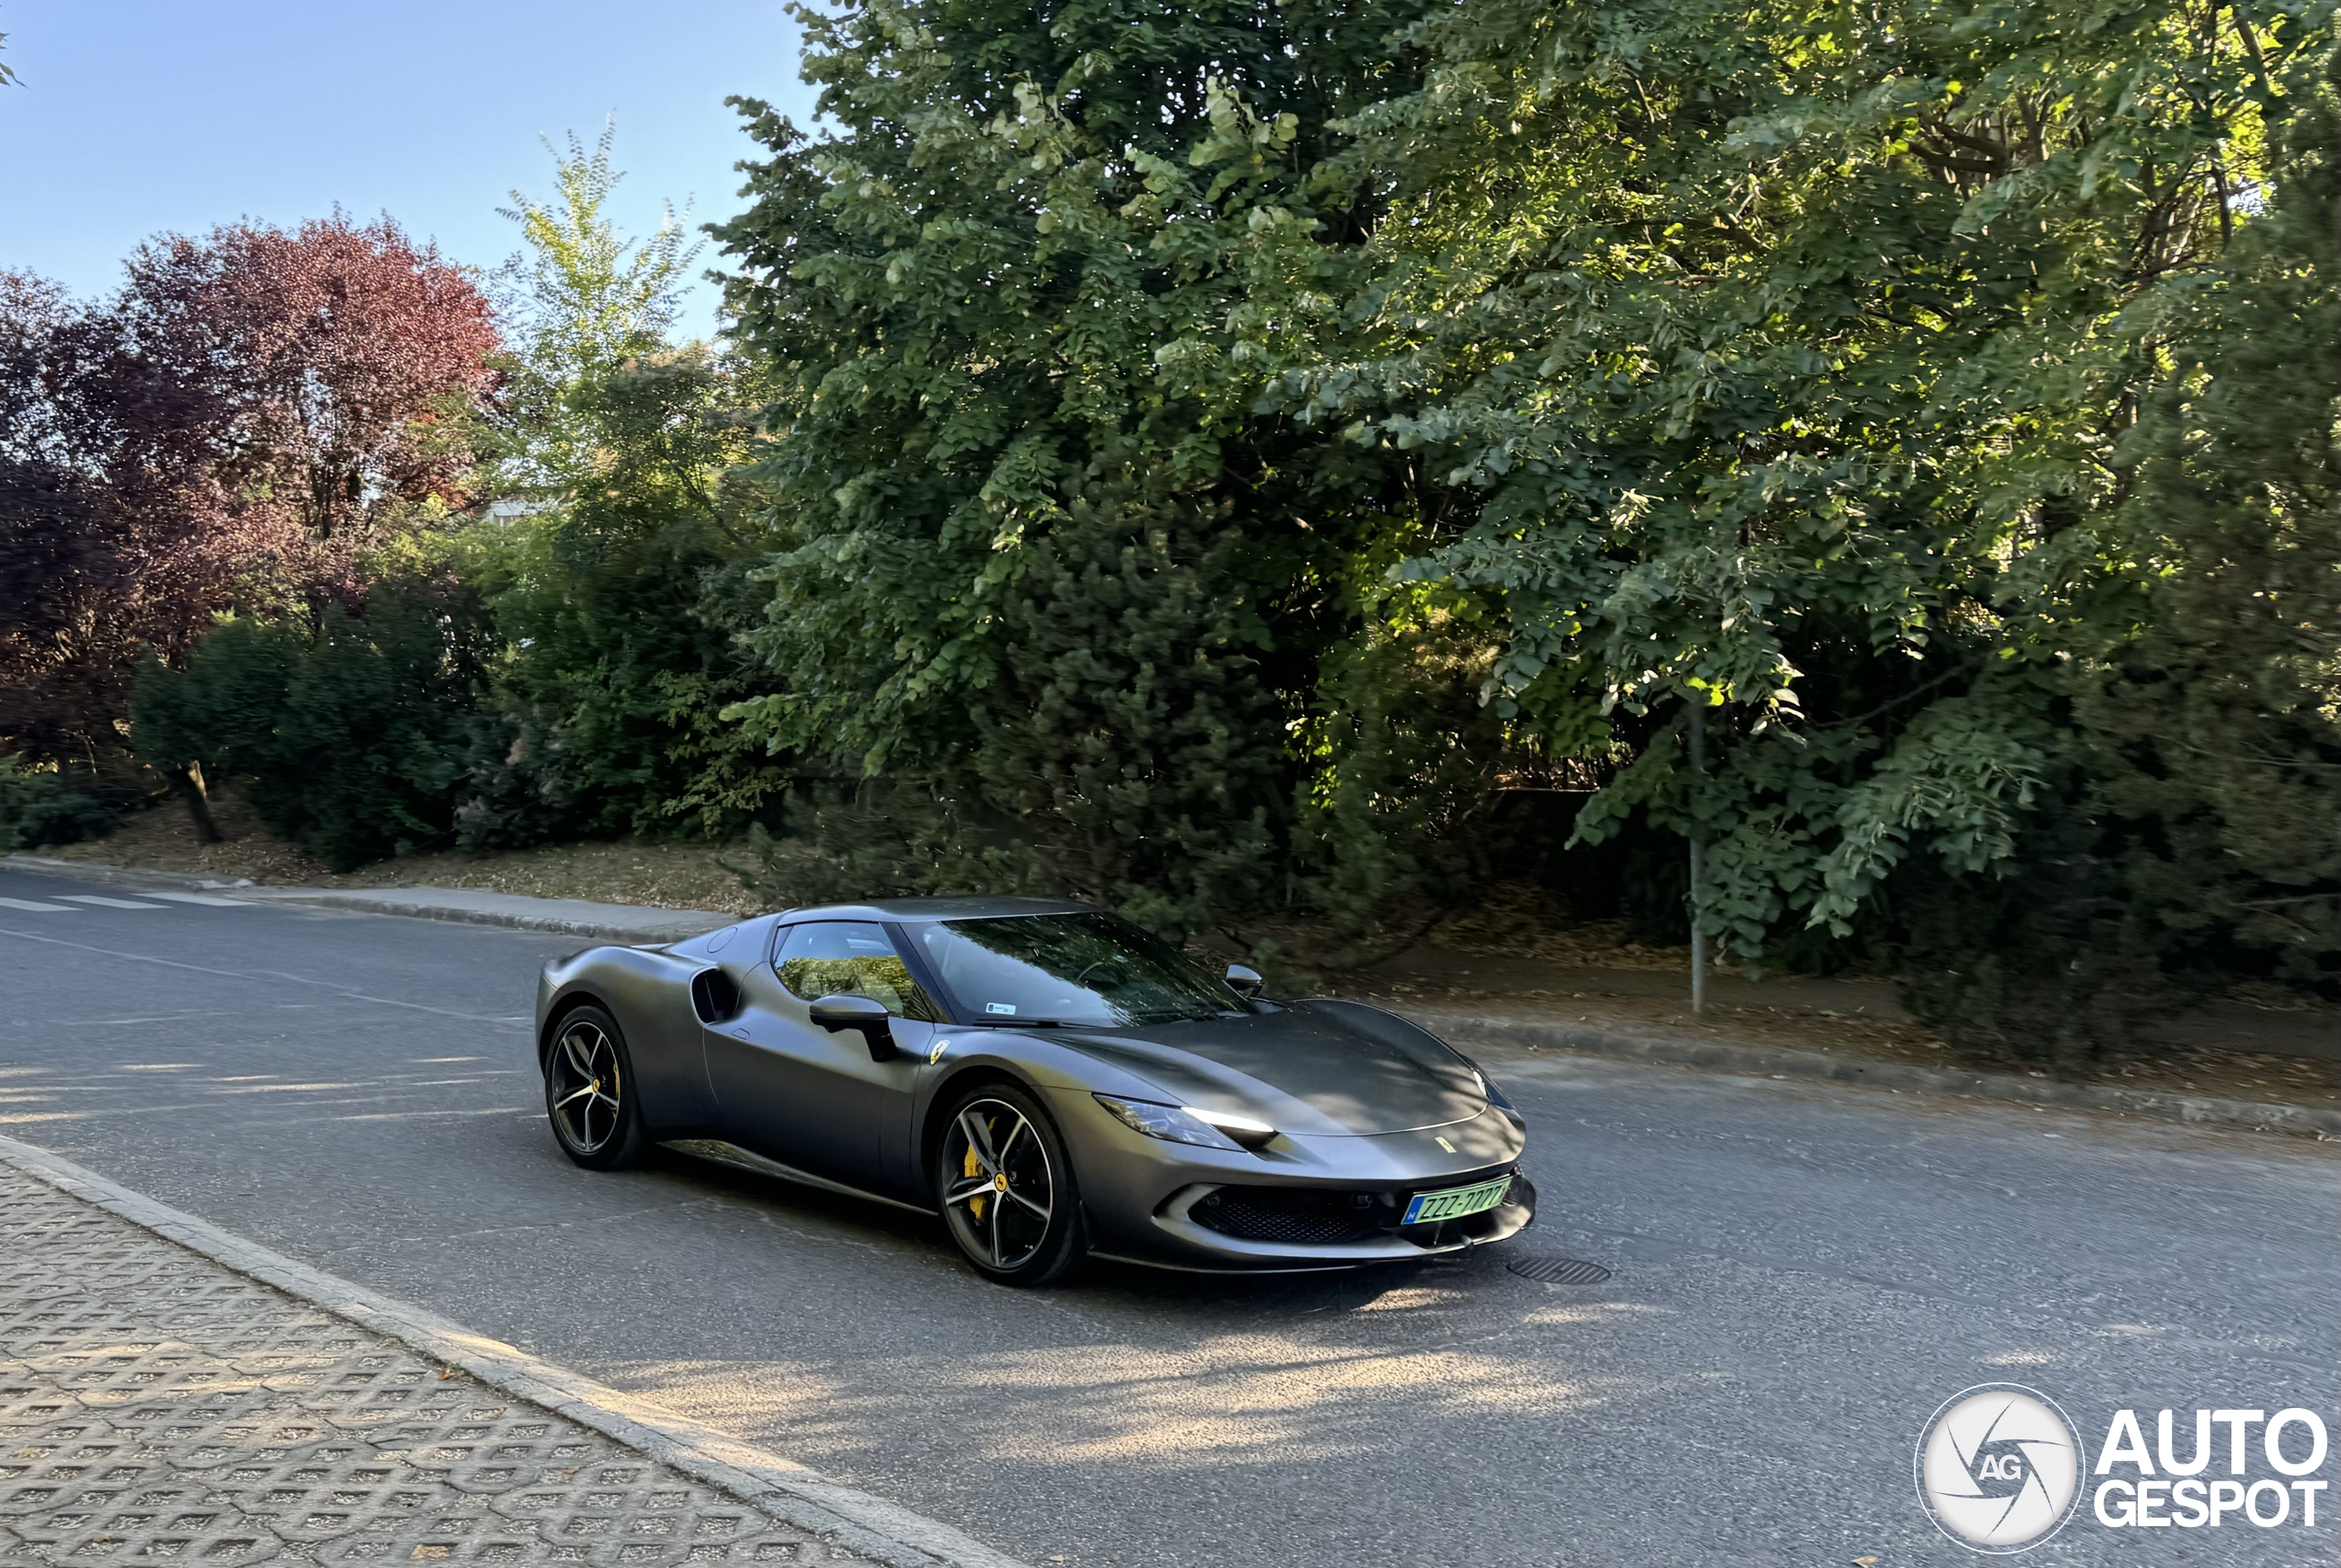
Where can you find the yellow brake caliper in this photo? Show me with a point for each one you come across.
(972, 1166)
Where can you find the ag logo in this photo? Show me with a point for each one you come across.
(1999, 1467)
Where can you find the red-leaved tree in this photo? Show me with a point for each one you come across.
(233, 432)
(60, 541)
(325, 378)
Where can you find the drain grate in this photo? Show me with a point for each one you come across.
(1560, 1271)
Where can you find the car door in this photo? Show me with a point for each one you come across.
(805, 1096)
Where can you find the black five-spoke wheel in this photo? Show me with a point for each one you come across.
(587, 1080)
(1006, 1188)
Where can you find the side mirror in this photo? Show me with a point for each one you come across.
(844, 1012)
(1244, 981)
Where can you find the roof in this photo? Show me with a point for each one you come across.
(981, 908)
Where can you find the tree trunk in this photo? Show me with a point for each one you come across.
(186, 783)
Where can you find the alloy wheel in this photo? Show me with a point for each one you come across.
(1001, 1193)
(585, 1087)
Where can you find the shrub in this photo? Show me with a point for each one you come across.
(351, 740)
(39, 809)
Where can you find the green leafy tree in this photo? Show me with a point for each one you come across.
(602, 566)
(587, 299)
(1781, 358)
(1407, 768)
(999, 300)
(616, 608)
(2219, 722)
(2195, 838)
(1126, 731)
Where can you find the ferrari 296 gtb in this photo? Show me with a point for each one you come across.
(1048, 1078)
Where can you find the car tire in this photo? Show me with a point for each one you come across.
(590, 1096)
(1005, 1186)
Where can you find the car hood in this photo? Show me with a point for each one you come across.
(1319, 1069)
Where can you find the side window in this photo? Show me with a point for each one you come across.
(856, 959)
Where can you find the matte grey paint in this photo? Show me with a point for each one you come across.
(1361, 1098)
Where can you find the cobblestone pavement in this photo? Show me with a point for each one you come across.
(154, 1404)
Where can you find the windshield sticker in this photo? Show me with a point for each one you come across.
(1009, 1008)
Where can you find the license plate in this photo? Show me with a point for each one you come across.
(1455, 1201)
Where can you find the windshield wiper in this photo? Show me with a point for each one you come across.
(1137, 1022)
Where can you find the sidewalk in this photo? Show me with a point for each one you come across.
(569, 917)
(156, 1404)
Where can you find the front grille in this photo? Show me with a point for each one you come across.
(1316, 1216)
(1294, 1214)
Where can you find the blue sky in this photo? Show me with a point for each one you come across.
(134, 117)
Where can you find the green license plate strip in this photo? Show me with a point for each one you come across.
(1455, 1201)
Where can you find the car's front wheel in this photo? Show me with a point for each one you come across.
(1005, 1187)
(589, 1092)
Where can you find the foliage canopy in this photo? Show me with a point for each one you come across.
(1835, 368)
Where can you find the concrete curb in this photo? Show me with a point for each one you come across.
(606, 923)
(1464, 1029)
(97, 872)
(871, 1527)
(1777, 1062)
(475, 906)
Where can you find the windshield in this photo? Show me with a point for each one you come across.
(1091, 969)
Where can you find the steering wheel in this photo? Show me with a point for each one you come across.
(1113, 962)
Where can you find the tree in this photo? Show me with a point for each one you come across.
(587, 299)
(615, 445)
(324, 382)
(612, 602)
(2215, 727)
(61, 561)
(1777, 359)
(1004, 304)
(2193, 838)
(233, 432)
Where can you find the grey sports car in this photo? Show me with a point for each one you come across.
(1049, 1079)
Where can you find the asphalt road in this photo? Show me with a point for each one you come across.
(1804, 1273)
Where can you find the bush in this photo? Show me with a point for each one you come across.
(2056, 966)
(1398, 816)
(611, 606)
(38, 809)
(881, 839)
(223, 710)
(351, 740)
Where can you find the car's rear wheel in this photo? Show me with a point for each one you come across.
(589, 1092)
(1005, 1187)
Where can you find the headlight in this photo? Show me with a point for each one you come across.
(1186, 1124)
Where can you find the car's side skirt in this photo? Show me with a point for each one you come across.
(732, 1155)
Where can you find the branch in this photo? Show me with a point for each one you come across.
(2252, 48)
(1916, 691)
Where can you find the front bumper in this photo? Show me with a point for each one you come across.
(1186, 1220)
(1298, 1203)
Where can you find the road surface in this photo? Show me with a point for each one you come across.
(1803, 1273)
